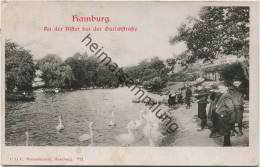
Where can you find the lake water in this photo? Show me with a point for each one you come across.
(78, 108)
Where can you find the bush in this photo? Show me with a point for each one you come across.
(154, 84)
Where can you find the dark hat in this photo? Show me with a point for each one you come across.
(236, 78)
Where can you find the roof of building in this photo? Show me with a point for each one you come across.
(222, 62)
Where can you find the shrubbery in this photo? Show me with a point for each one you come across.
(77, 71)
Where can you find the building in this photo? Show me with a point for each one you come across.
(211, 71)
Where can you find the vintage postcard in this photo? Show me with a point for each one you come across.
(129, 83)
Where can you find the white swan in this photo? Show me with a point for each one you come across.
(60, 126)
(56, 90)
(27, 138)
(148, 133)
(141, 121)
(151, 131)
(127, 139)
(89, 136)
(112, 122)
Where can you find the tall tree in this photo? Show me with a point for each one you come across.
(50, 66)
(19, 67)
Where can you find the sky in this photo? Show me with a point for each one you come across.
(156, 22)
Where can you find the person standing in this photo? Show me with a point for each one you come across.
(171, 100)
(238, 105)
(226, 115)
(188, 97)
(202, 114)
(212, 115)
(180, 98)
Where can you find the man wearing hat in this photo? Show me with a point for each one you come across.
(238, 104)
(229, 110)
(202, 114)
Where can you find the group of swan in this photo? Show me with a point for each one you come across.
(84, 137)
(59, 128)
(127, 138)
(87, 137)
(150, 130)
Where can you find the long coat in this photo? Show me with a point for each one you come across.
(188, 95)
(202, 105)
(226, 113)
(172, 100)
(212, 107)
(238, 102)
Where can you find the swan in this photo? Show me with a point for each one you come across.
(141, 121)
(60, 126)
(56, 90)
(89, 136)
(112, 122)
(151, 132)
(27, 138)
(127, 138)
(148, 133)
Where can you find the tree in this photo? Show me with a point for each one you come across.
(156, 64)
(19, 67)
(83, 68)
(171, 64)
(151, 73)
(218, 30)
(105, 78)
(87, 72)
(66, 76)
(51, 69)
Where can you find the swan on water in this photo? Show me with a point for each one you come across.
(151, 131)
(112, 122)
(60, 126)
(89, 136)
(141, 121)
(56, 90)
(27, 138)
(127, 139)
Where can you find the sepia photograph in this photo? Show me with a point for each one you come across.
(127, 74)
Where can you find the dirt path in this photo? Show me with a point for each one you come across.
(189, 135)
(189, 123)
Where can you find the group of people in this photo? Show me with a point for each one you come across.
(177, 98)
(225, 110)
